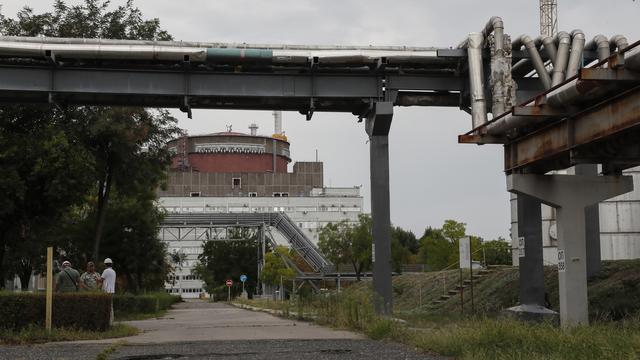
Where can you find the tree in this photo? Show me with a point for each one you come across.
(222, 260)
(72, 148)
(497, 252)
(275, 267)
(346, 243)
(40, 166)
(403, 245)
(435, 249)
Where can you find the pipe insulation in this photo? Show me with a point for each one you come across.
(476, 79)
(577, 48)
(618, 42)
(562, 58)
(216, 53)
(600, 43)
(503, 88)
(536, 60)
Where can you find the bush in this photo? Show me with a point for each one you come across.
(84, 311)
(127, 304)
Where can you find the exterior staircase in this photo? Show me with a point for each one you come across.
(477, 276)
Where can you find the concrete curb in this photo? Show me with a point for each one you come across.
(291, 315)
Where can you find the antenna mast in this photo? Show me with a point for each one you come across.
(548, 17)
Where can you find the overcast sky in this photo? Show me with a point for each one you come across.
(433, 178)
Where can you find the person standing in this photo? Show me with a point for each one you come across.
(90, 280)
(68, 278)
(109, 282)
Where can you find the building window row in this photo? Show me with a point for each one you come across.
(184, 291)
(246, 208)
(183, 277)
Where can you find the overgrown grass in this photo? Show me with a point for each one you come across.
(472, 338)
(510, 339)
(37, 334)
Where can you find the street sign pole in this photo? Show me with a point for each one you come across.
(229, 283)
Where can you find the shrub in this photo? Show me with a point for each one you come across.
(85, 311)
(127, 304)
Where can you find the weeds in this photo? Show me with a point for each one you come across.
(37, 334)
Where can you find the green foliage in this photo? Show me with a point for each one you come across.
(38, 334)
(435, 249)
(86, 311)
(222, 260)
(130, 304)
(275, 267)
(497, 252)
(346, 243)
(62, 165)
(509, 339)
(406, 239)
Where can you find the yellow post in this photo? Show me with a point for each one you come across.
(49, 302)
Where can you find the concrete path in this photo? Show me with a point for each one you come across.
(201, 321)
(202, 330)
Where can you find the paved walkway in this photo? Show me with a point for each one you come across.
(202, 330)
(202, 321)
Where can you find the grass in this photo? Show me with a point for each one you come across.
(442, 329)
(35, 334)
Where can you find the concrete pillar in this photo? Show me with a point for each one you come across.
(377, 126)
(531, 265)
(570, 195)
(592, 225)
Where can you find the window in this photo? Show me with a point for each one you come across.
(253, 194)
(236, 182)
(276, 194)
(280, 194)
(195, 194)
(285, 194)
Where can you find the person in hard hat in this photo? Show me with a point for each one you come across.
(109, 282)
(108, 277)
(68, 278)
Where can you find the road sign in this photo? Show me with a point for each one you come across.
(243, 278)
(229, 282)
(465, 253)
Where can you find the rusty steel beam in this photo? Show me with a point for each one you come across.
(550, 147)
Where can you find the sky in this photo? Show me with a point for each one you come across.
(433, 178)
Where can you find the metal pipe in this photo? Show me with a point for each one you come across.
(476, 79)
(577, 48)
(562, 58)
(536, 60)
(550, 48)
(506, 123)
(586, 91)
(618, 42)
(524, 66)
(203, 52)
(496, 26)
(600, 43)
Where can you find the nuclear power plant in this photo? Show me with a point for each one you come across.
(243, 173)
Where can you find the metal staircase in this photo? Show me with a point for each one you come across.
(299, 242)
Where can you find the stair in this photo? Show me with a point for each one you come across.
(478, 275)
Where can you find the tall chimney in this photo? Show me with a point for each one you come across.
(254, 129)
(277, 117)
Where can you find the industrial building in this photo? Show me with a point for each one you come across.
(619, 226)
(236, 173)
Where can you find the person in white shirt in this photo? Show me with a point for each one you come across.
(109, 282)
(108, 277)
